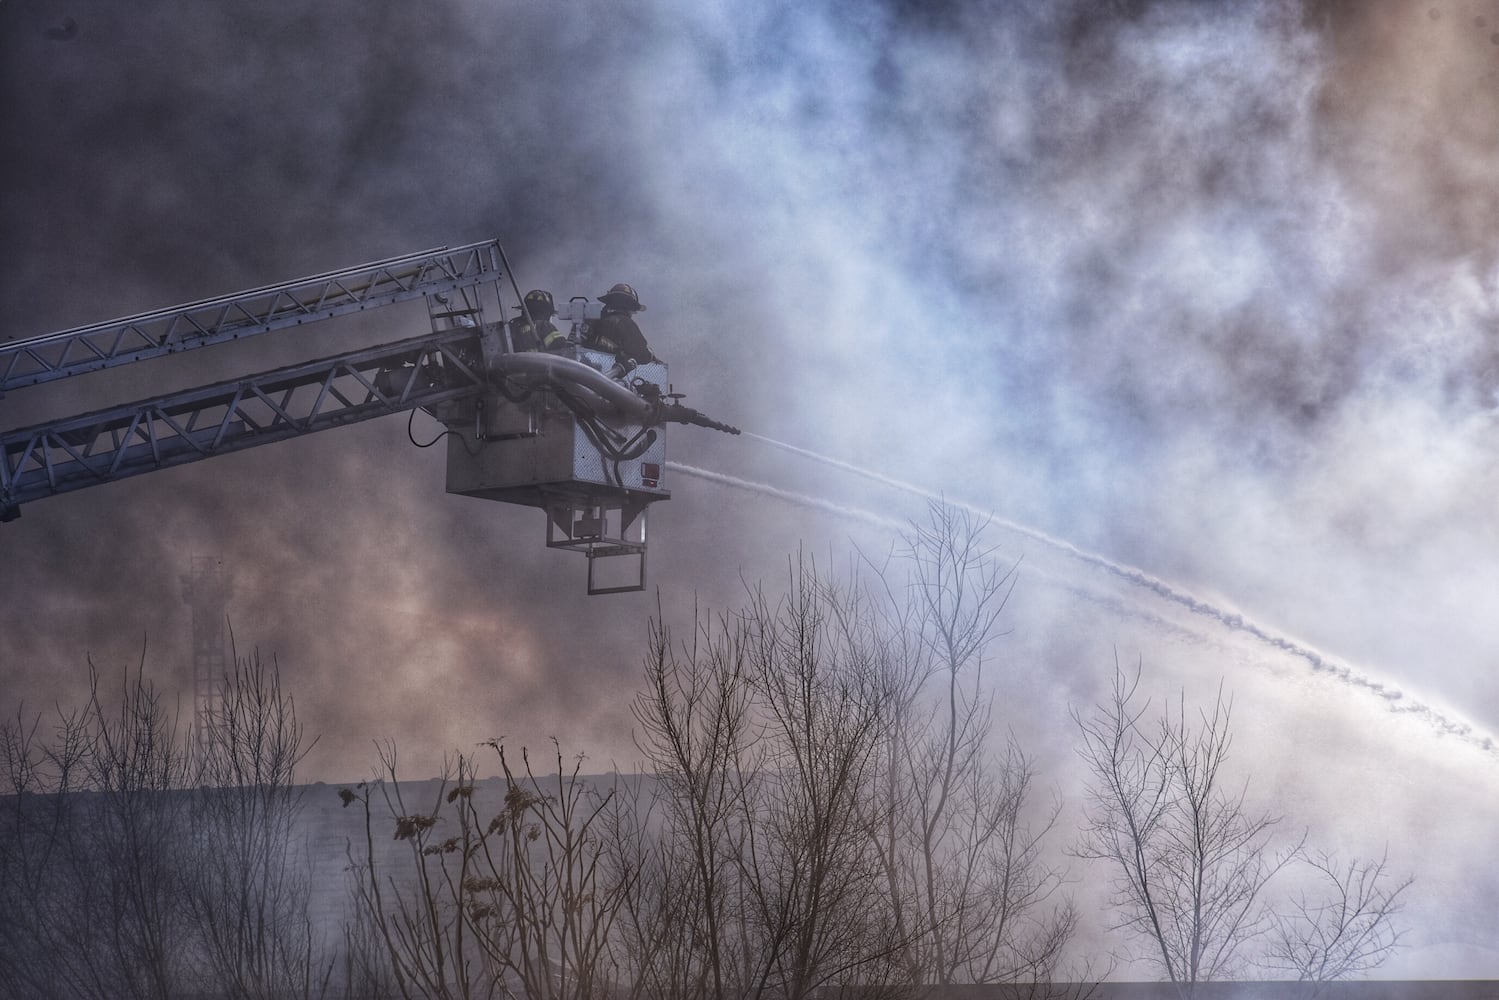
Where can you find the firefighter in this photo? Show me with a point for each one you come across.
(534, 330)
(616, 330)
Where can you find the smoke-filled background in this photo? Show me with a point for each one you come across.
(1210, 292)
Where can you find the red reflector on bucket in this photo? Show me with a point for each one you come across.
(650, 473)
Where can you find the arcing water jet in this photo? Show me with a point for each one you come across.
(1233, 620)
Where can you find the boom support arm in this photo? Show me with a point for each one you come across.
(183, 427)
(243, 314)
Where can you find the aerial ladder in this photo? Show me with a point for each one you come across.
(575, 432)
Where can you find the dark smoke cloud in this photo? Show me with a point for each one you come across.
(180, 150)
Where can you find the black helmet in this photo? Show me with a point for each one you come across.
(539, 304)
(622, 296)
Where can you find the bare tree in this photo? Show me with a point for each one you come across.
(824, 688)
(1193, 862)
(90, 856)
(826, 810)
(655, 942)
(247, 883)
(684, 926)
(1191, 859)
(40, 806)
(124, 855)
(837, 807)
(765, 731)
(973, 898)
(1345, 927)
(132, 869)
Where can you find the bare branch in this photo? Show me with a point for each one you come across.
(1345, 927)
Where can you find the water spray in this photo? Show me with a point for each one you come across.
(1232, 620)
(798, 499)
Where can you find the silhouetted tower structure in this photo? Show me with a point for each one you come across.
(206, 591)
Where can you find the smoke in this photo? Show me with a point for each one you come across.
(1228, 619)
(1209, 291)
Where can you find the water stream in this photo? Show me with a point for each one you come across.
(1397, 700)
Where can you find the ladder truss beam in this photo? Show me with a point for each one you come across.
(175, 429)
(243, 314)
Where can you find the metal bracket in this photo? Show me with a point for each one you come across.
(584, 525)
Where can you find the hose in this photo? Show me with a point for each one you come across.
(577, 376)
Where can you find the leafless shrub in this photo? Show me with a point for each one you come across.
(520, 902)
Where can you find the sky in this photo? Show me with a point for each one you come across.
(1207, 294)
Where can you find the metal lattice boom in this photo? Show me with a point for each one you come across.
(243, 314)
(183, 427)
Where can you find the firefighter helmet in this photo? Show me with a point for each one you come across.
(539, 304)
(622, 296)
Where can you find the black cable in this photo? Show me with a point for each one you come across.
(596, 432)
(592, 434)
(632, 449)
(650, 439)
(586, 418)
(410, 434)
